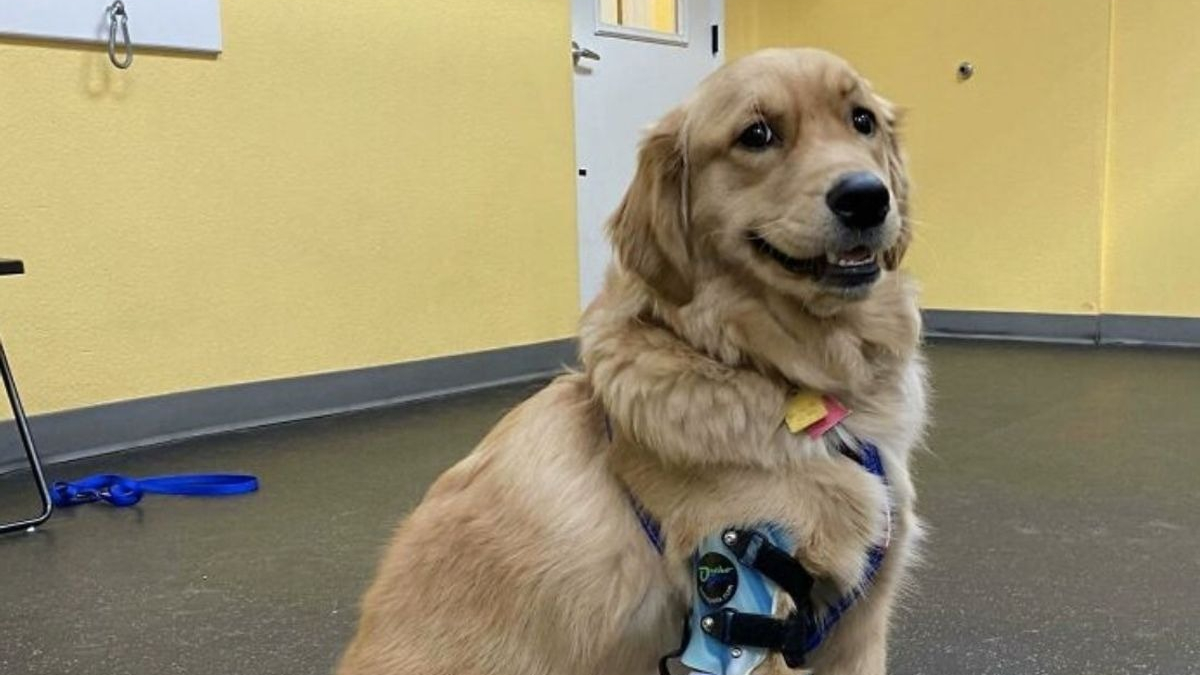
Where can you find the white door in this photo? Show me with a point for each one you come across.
(651, 54)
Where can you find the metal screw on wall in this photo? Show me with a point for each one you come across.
(966, 70)
(117, 18)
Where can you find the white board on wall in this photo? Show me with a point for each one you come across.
(191, 25)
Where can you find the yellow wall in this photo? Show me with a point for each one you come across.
(1152, 236)
(741, 26)
(1009, 167)
(345, 186)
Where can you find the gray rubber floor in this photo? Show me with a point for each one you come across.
(1062, 490)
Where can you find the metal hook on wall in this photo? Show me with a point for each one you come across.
(117, 18)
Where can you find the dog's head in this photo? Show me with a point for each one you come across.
(783, 168)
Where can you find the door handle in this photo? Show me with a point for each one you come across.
(578, 52)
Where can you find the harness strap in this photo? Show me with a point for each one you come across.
(649, 523)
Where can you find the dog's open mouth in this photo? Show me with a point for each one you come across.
(846, 269)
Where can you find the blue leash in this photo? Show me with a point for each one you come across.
(126, 491)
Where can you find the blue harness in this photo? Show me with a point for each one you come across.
(740, 575)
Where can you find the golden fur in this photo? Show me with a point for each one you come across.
(526, 557)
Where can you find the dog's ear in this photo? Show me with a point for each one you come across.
(649, 229)
(898, 176)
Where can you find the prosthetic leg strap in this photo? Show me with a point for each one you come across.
(757, 552)
(733, 621)
(803, 630)
(789, 637)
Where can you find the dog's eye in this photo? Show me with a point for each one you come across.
(863, 121)
(757, 136)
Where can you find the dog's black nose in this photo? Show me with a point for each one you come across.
(859, 199)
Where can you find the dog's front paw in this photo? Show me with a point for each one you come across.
(836, 543)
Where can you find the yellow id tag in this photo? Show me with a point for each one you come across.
(804, 409)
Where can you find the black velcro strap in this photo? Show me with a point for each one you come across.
(747, 630)
(787, 636)
(756, 552)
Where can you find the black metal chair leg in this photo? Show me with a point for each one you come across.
(35, 464)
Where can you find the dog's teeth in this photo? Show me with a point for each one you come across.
(853, 262)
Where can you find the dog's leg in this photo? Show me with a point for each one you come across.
(858, 644)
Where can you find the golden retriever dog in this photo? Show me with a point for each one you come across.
(756, 254)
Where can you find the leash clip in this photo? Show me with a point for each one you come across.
(65, 494)
(115, 490)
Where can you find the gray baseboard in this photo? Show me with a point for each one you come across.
(1165, 331)
(1025, 326)
(123, 425)
(1106, 329)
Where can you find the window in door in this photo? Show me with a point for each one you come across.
(653, 20)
